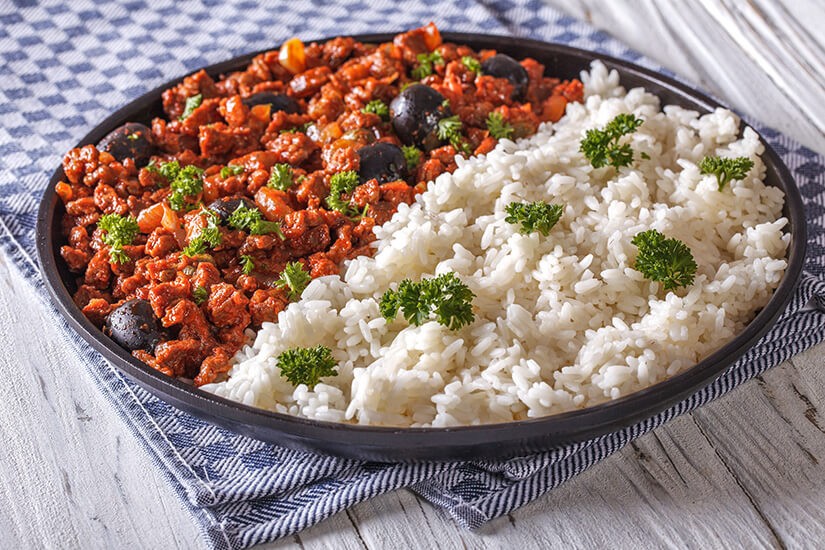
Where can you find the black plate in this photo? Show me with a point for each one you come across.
(407, 444)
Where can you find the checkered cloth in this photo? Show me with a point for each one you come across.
(66, 66)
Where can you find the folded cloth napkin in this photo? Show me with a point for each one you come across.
(66, 66)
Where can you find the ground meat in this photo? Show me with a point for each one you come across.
(213, 367)
(292, 148)
(313, 189)
(86, 293)
(75, 258)
(163, 296)
(340, 159)
(175, 358)
(206, 275)
(107, 200)
(258, 196)
(81, 206)
(174, 99)
(160, 243)
(309, 82)
(227, 306)
(367, 193)
(98, 272)
(96, 310)
(265, 305)
(328, 106)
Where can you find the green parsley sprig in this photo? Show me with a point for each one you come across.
(192, 103)
(185, 182)
(449, 128)
(209, 237)
(120, 231)
(307, 365)
(534, 216)
(664, 260)
(497, 127)
(294, 278)
(444, 297)
(602, 147)
(412, 155)
(377, 107)
(281, 177)
(231, 170)
(247, 264)
(252, 221)
(300, 129)
(472, 64)
(425, 64)
(200, 294)
(342, 183)
(726, 169)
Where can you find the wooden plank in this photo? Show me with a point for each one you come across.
(708, 43)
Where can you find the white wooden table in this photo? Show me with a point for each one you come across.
(746, 471)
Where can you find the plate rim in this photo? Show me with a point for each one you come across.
(385, 443)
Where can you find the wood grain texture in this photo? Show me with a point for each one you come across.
(745, 471)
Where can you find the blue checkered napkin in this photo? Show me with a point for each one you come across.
(65, 67)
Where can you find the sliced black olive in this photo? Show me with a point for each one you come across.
(132, 140)
(133, 325)
(382, 161)
(415, 113)
(226, 206)
(278, 102)
(504, 66)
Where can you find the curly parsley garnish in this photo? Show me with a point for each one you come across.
(342, 183)
(294, 278)
(602, 148)
(377, 107)
(231, 170)
(449, 128)
(497, 127)
(192, 103)
(412, 155)
(726, 169)
(252, 221)
(472, 64)
(444, 297)
(209, 237)
(534, 216)
(667, 261)
(200, 294)
(119, 232)
(307, 365)
(425, 64)
(281, 177)
(185, 182)
(247, 264)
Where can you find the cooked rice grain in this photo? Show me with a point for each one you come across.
(563, 321)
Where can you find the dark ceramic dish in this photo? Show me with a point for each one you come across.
(409, 444)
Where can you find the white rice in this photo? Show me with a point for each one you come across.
(562, 322)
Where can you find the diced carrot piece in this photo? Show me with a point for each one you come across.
(554, 107)
(64, 191)
(170, 220)
(211, 189)
(150, 218)
(432, 38)
(261, 112)
(292, 56)
(273, 203)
